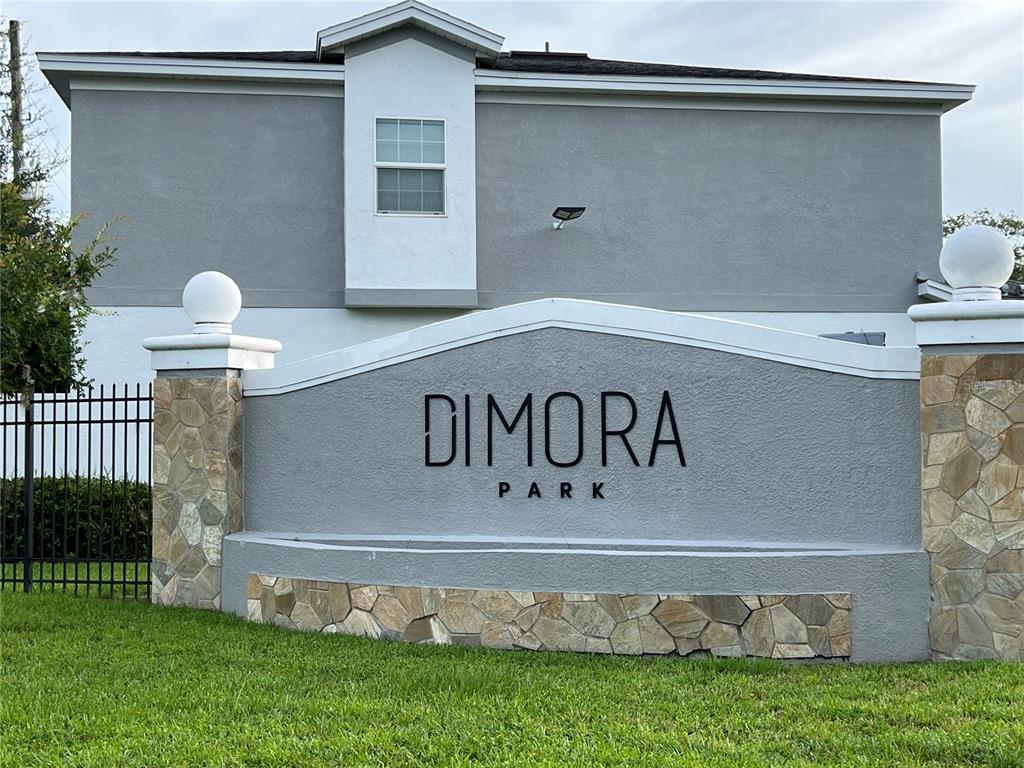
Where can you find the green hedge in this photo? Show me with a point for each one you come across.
(79, 517)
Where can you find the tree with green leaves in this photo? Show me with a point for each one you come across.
(44, 272)
(1010, 224)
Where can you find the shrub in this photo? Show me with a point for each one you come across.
(83, 517)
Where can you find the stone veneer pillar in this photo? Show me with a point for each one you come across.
(197, 442)
(972, 449)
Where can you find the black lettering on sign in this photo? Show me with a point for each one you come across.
(619, 418)
(666, 408)
(620, 433)
(465, 429)
(492, 409)
(579, 429)
(427, 399)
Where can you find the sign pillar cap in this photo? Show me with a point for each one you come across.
(976, 262)
(212, 301)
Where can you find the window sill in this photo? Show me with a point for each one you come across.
(411, 215)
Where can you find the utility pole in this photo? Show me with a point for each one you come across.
(14, 40)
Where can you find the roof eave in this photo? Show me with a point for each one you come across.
(59, 68)
(947, 95)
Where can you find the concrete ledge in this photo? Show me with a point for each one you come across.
(410, 297)
(890, 587)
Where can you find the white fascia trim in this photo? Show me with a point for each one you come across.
(179, 85)
(205, 68)
(852, 90)
(410, 11)
(692, 330)
(672, 101)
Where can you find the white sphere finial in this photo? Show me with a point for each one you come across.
(212, 301)
(976, 262)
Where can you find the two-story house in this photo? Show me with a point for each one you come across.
(406, 168)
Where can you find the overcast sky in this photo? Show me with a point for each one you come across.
(981, 43)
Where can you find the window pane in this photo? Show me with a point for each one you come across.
(433, 153)
(387, 151)
(433, 130)
(387, 128)
(410, 190)
(410, 181)
(410, 152)
(410, 201)
(433, 181)
(387, 201)
(410, 130)
(387, 178)
(433, 202)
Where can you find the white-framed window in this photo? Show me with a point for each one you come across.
(409, 160)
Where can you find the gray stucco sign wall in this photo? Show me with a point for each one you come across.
(573, 435)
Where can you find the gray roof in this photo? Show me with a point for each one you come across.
(516, 61)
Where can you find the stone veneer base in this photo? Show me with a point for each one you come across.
(775, 626)
(972, 438)
(197, 485)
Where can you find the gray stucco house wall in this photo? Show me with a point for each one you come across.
(808, 210)
(803, 210)
(247, 184)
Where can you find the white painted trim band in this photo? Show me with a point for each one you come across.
(518, 545)
(169, 67)
(949, 95)
(692, 330)
(230, 87)
(674, 101)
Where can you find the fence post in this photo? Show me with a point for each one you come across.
(197, 441)
(29, 490)
(972, 452)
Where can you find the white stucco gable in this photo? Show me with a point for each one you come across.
(413, 69)
(334, 39)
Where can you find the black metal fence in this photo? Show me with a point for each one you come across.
(76, 491)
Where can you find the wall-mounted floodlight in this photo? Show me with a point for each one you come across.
(564, 213)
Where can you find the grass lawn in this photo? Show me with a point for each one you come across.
(100, 682)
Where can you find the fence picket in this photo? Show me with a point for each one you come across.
(41, 500)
